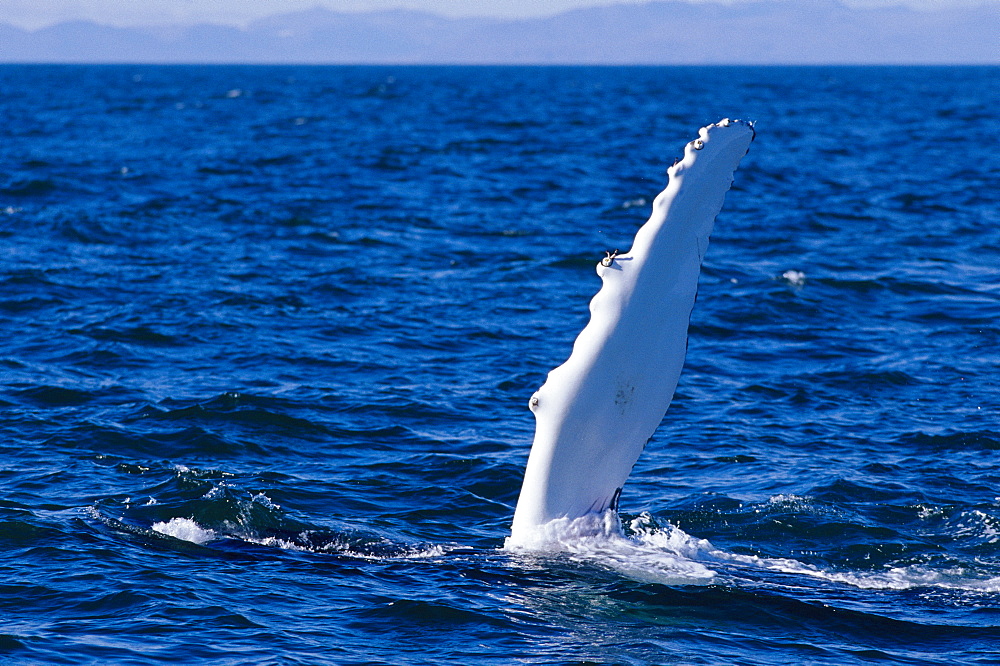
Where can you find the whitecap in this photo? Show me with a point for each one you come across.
(794, 278)
(184, 529)
(978, 525)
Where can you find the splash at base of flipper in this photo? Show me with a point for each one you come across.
(596, 411)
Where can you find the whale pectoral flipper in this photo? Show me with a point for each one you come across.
(595, 412)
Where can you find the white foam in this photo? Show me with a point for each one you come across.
(415, 552)
(558, 534)
(184, 529)
(668, 555)
(597, 538)
(794, 278)
(891, 578)
(978, 525)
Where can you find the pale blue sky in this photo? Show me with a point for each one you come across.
(32, 14)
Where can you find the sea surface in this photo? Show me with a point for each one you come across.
(268, 334)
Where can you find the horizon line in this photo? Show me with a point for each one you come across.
(244, 25)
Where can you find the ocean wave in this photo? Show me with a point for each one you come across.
(206, 508)
(951, 440)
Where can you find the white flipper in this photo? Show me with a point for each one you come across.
(596, 411)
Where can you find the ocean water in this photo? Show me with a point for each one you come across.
(268, 336)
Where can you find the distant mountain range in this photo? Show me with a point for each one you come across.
(671, 32)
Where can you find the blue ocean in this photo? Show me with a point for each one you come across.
(269, 335)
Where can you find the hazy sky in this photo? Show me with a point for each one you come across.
(33, 14)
